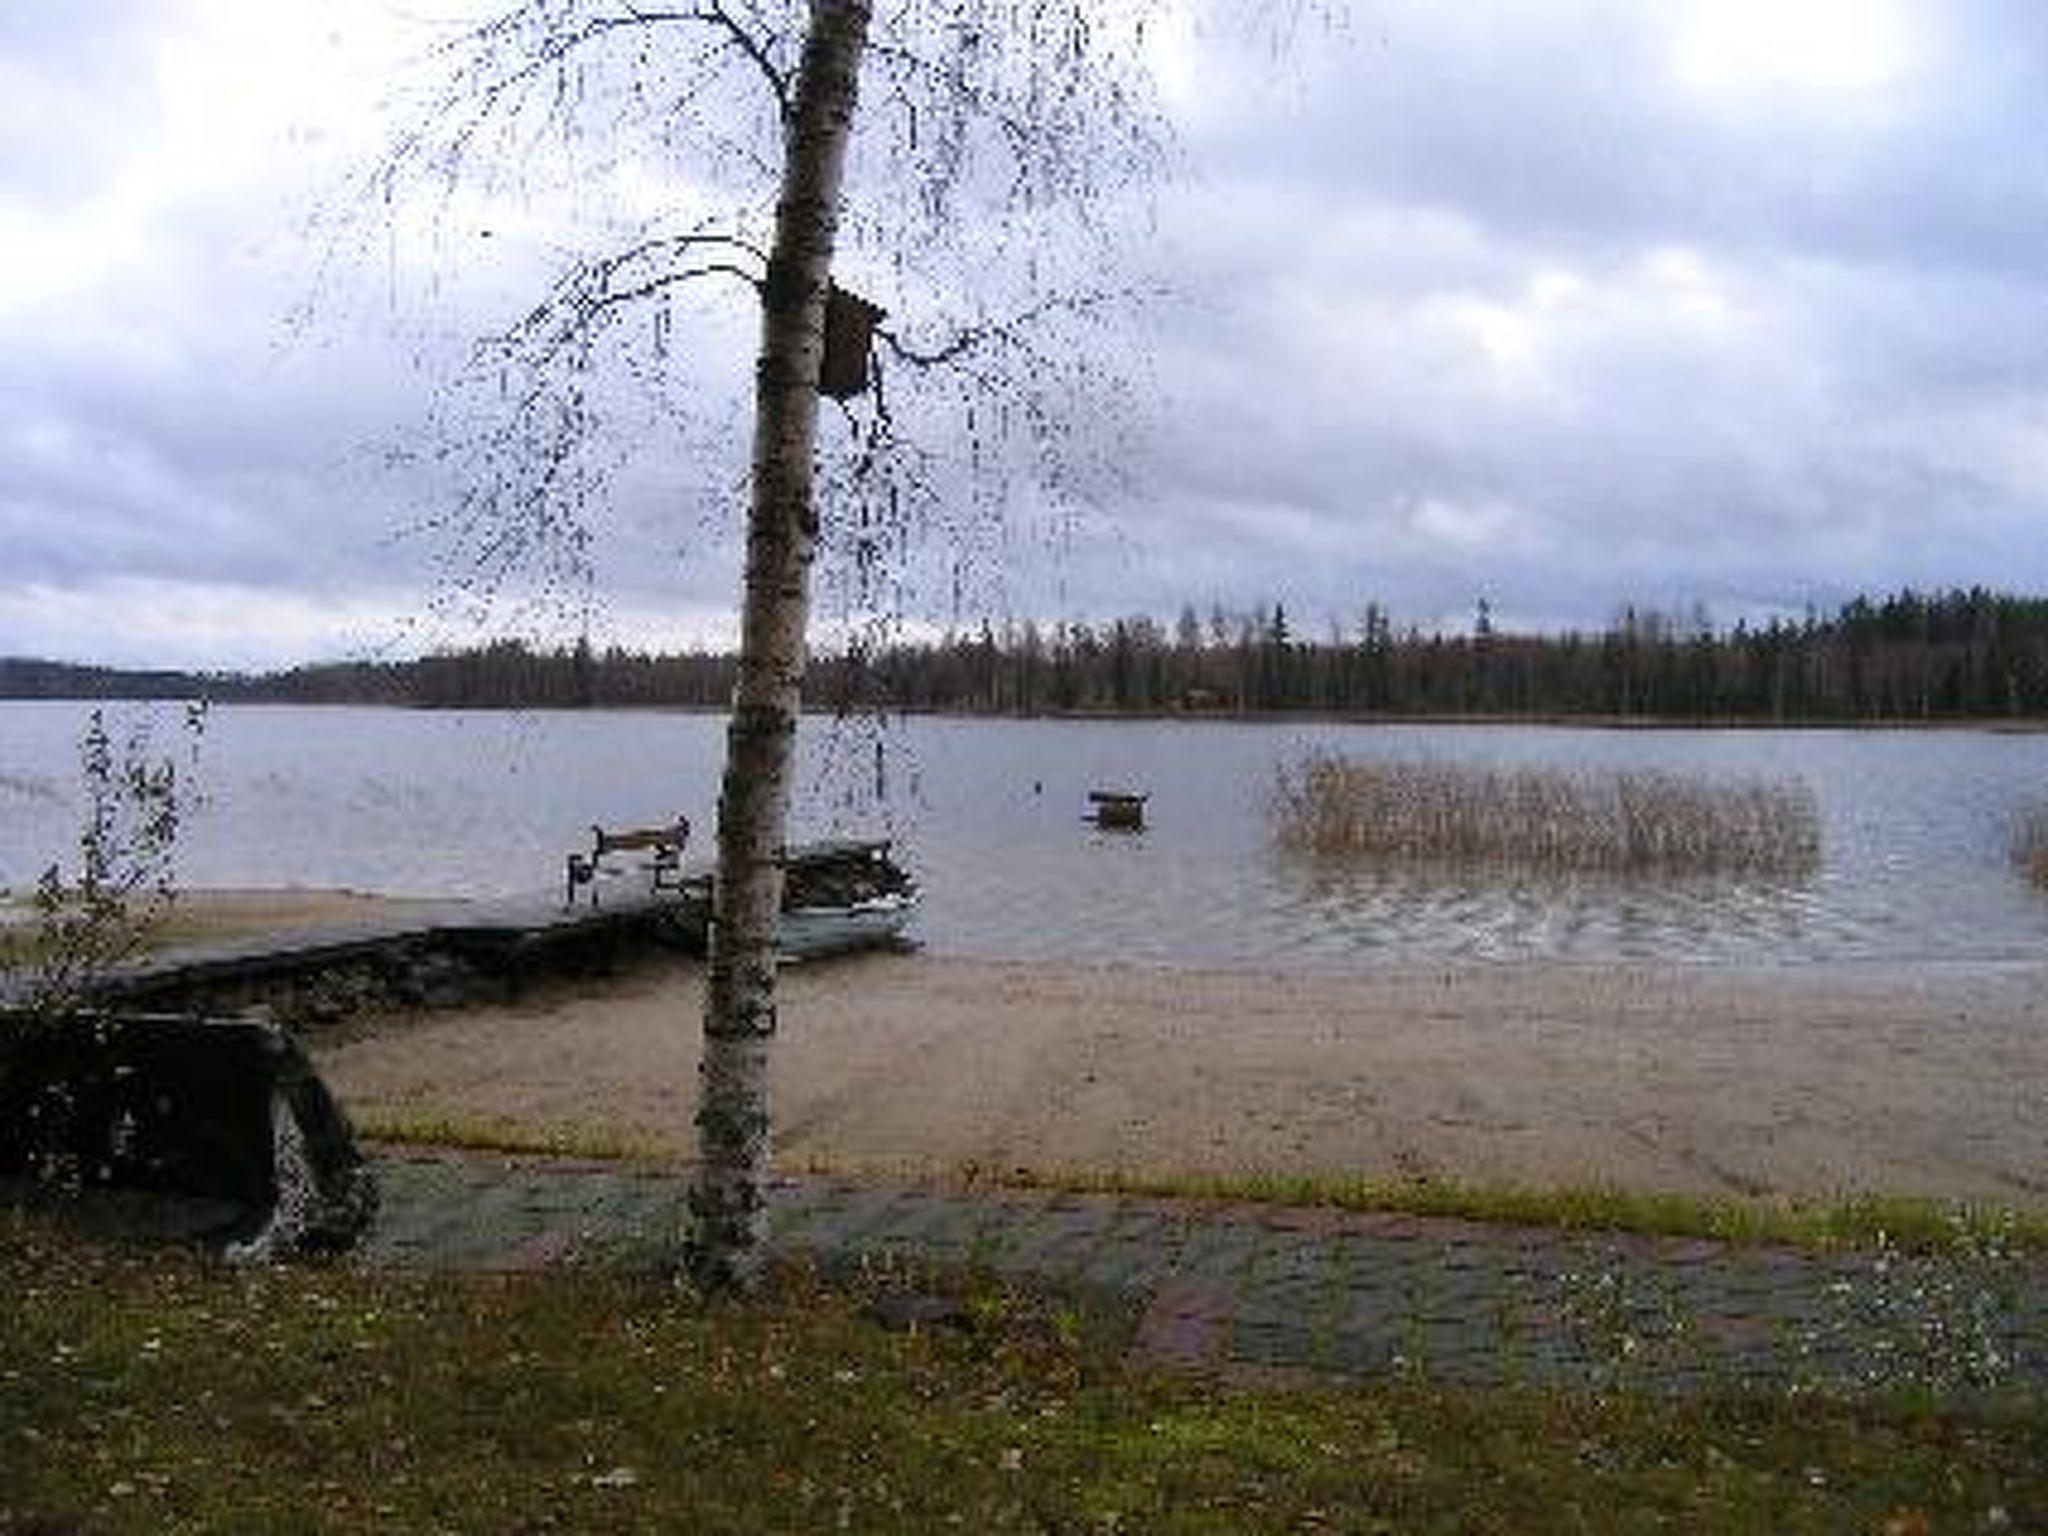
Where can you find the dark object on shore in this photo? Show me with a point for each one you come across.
(663, 845)
(1117, 810)
(227, 1118)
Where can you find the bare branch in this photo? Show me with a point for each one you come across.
(581, 74)
(996, 178)
(1013, 330)
(754, 44)
(587, 296)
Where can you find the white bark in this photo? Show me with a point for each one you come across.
(728, 1198)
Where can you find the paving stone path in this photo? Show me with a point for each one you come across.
(1223, 1286)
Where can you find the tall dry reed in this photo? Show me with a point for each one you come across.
(2030, 845)
(1609, 819)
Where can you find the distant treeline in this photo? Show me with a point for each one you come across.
(507, 674)
(1958, 655)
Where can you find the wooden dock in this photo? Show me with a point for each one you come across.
(430, 955)
(445, 954)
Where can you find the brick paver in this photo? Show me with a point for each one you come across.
(1315, 1291)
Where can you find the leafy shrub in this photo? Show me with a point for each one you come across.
(101, 912)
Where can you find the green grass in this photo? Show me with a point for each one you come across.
(1905, 1223)
(160, 1394)
(470, 1133)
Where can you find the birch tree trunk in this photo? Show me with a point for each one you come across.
(728, 1197)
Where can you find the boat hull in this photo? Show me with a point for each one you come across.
(806, 933)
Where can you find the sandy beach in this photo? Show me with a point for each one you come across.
(1802, 1082)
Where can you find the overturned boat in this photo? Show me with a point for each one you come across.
(836, 897)
(842, 896)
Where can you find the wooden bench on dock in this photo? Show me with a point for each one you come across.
(663, 845)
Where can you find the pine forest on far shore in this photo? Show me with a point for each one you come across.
(1961, 655)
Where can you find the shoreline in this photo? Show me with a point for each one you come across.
(1798, 1082)
(1703, 1081)
(207, 913)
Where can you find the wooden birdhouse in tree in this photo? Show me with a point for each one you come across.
(850, 322)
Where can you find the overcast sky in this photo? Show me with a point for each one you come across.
(1565, 304)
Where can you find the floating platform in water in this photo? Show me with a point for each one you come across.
(1117, 810)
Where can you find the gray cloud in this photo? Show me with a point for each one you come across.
(1524, 301)
(75, 87)
(1508, 320)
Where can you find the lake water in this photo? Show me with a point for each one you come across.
(1916, 828)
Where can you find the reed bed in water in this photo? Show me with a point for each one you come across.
(1627, 819)
(2030, 845)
